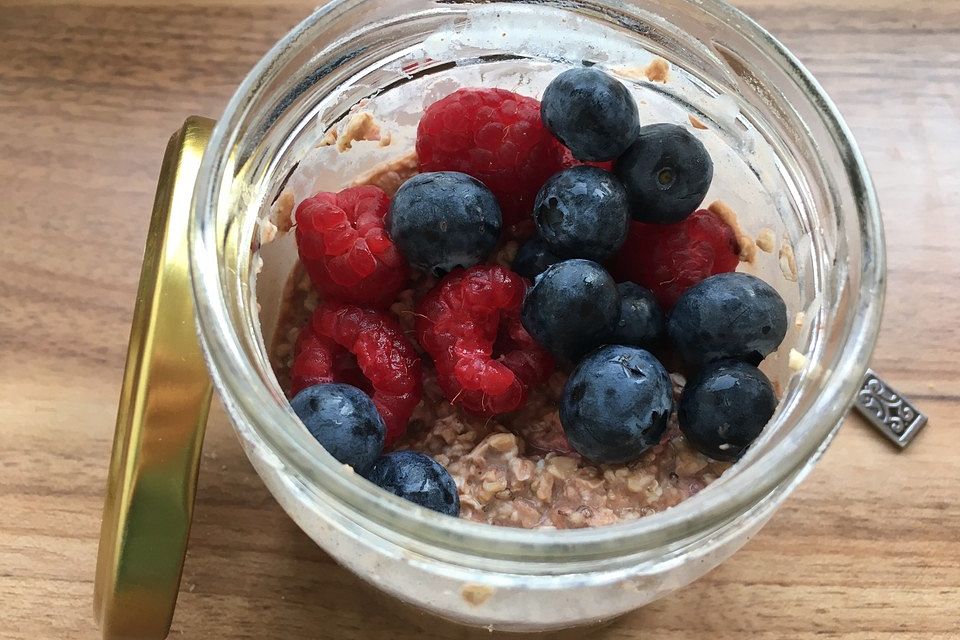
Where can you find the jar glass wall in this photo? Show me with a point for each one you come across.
(806, 182)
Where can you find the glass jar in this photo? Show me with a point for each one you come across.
(729, 73)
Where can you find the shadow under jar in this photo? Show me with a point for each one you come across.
(785, 161)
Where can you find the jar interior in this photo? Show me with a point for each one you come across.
(780, 161)
(765, 189)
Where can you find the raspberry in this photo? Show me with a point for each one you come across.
(497, 137)
(668, 259)
(345, 248)
(567, 160)
(313, 361)
(470, 324)
(364, 348)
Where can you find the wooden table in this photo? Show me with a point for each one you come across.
(867, 549)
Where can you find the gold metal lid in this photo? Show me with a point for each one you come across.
(160, 423)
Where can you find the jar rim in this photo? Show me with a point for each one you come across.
(229, 364)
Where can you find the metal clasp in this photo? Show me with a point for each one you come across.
(888, 411)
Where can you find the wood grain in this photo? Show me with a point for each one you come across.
(867, 549)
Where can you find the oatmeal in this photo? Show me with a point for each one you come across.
(788, 262)
(748, 248)
(518, 469)
(658, 71)
(766, 240)
(361, 126)
(696, 122)
(390, 174)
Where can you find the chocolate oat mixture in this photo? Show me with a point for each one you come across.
(517, 469)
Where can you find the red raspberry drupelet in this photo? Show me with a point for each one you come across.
(345, 248)
(497, 137)
(668, 259)
(568, 161)
(470, 325)
(313, 361)
(364, 348)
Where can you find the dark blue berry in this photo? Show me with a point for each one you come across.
(417, 478)
(582, 212)
(590, 112)
(616, 404)
(344, 420)
(571, 308)
(724, 409)
(667, 173)
(443, 220)
(533, 258)
(728, 316)
(641, 323)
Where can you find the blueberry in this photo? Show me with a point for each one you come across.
(344, 420)
(667, 173)
(417, 478)
(443, 220)
(582, 212)
(728, 316)
(571, 308)
(641, 323)
(591, 113)
(616, 404)
(724, 408)
(533, 258)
